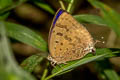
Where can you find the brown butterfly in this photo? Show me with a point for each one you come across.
(68, 39)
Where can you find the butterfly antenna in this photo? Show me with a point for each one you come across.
(96, 41)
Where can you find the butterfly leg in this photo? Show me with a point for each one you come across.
(65, 63)
(97, 41)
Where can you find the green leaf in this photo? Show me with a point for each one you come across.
(25, 35)
(11, 6)
(60, 69)
(45, 72)
(8, 65)
(45, 7)
(5, 3)
(4, 16)
(86, 59)
(105, 70)
(111, 17)
(92, 19)
(31, 62)
(111, 74)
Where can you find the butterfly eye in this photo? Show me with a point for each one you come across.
(93, 51)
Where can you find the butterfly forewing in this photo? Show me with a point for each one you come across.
(68, 40)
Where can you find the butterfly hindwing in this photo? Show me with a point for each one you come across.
(68, 40)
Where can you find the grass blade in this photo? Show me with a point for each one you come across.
(12, 6)
(105, 69)
(44, 6)
(60, 69)
(5, 3)
(9, 66)
(87, 18)
(111, 17)
(26, 36)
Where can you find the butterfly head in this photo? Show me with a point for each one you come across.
(90, 48)
(53, 61)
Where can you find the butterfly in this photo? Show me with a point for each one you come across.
(68, 39)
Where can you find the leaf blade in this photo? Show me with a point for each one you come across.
(92, 19)
(26, 35)
(31, 62)
(101, 53)
(111, 17)
(105, 70)
(9, 65)
(44, 6)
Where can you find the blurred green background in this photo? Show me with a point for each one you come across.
(24, 30)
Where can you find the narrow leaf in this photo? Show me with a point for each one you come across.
(4, 16)
(44, 6)
(25, 35)
(11, 6)
(92, 19)
(105, 69)
(5, 3)
(9, 66)
(111, 17)
(60, 69)
(31, 62)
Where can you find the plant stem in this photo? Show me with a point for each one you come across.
(62, 4)
(44, 74)
(69, 6)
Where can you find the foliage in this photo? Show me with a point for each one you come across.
(10, 70)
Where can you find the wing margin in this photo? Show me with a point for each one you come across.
(57, 15)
